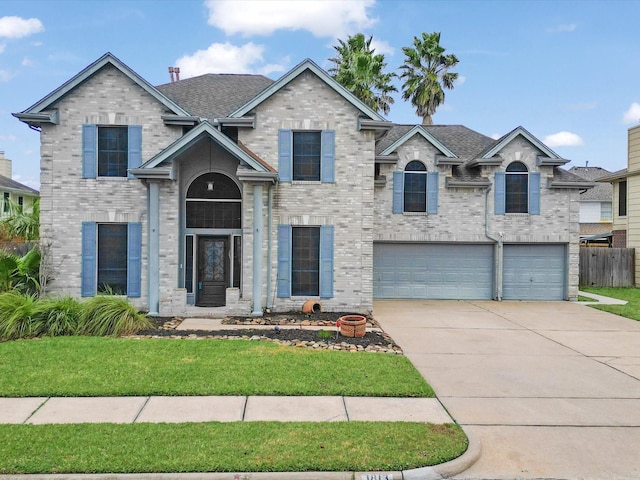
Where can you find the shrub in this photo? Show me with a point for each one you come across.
(107, 315)
(59, 316)
(18, 316)
(20, 272)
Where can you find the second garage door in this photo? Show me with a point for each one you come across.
(432, 271)
(534, 272)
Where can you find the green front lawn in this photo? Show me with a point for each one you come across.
(95, 366)
(226, 447)
(631, 295)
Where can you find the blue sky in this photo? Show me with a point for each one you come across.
(567, 71)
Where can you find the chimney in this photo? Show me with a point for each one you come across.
(5, 165)
(177, 70)
(171, 73)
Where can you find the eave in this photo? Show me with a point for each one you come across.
(180, 120)
(156, 173)
(549, 161)
(37, 119)
(247, 175)
(418, 130)
(387, 159)
(444, 160)
(243, 122)
(379, 125)
(565, 184)
(492, 161)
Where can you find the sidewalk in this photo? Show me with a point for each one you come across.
(600, 299)
(43, 410)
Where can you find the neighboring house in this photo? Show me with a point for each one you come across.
(228, 194)
(12, 191)
(626, 200)
(596, 210)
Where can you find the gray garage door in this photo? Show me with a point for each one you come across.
(534, 272)
(431, 271)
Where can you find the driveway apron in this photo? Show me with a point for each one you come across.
(551, 389)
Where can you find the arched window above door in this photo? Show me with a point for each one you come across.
(214, 200)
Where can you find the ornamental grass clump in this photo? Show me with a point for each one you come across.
(107, 315)
(59, 316)
(18, 316)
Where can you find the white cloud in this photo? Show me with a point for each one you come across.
(8, 138)
(633, 114)
(564, 27)
(496, 136)
(460, 80)
(226, 58)
(2, 47)
(326, 18)
(563, 139)
(27, 62)
(5, 75)
(380, 46)
(17, 27)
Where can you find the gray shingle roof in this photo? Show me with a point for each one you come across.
(214, 95)
(7, 183)
(603, 191)
(462, 141)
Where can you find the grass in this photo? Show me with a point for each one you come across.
(226, 447)
(631, 295)
(96, 366)
(586, 299)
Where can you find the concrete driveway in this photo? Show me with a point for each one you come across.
(551, 389)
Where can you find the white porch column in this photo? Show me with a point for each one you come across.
(153, 262)
(257, 250)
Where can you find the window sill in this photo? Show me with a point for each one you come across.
(306, 182)
(415, 214)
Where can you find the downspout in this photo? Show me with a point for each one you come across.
(499, 247)
(269, 244)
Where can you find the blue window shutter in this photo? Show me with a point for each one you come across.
(326, 261)
(398, 192)
(134, 260)
(89, 260)
(500, 194)
(534, 194)
(284, 261)
(328, 156)
(285, 145)
(89, 160)
(432, 193)
(135, 147)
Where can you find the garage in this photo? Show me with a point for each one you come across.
(432, 271)
(534, 272)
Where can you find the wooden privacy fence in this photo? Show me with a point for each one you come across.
(607, 267)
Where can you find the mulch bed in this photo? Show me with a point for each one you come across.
(372, 341)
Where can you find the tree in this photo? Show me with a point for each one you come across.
(425, 73)
(20, 224)
(361, 71)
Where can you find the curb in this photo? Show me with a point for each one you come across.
(436, 472)
(450, 468)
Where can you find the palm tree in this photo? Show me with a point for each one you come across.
(361, 71)
(426, 72)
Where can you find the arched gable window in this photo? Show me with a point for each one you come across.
(517, 188)
(214, 201)
(415, 187)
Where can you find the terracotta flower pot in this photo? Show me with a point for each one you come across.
(311, 306)
(352, 325)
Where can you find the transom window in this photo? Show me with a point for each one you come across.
(113, 151)
(517, 188)
(306, 156)
(415, 187)
(305, 261)
(214, 201)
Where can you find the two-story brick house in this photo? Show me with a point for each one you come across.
(233, 193)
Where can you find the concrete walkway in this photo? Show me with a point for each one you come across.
(551, 389)
(219, 409)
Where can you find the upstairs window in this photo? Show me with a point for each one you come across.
(113, 151)
(306, 156)
(622, 198)
(517, 188)
(415, 187)
(110, 151)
